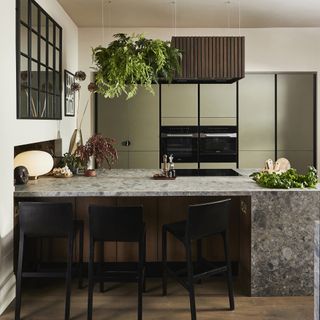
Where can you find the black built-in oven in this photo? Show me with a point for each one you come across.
(199, 144)
(218, 144)
(181, 141)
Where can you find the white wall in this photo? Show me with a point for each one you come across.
(272, 49)
(16, 132)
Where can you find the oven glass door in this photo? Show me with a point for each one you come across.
(184, 147)
(218, 147)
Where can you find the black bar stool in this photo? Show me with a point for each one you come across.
(48, 220)
(203, 221)
(124, 224)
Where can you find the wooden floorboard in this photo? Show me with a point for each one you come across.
(46, 301)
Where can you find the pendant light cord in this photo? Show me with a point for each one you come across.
(174, 16)
(239, 16)
(102, 20)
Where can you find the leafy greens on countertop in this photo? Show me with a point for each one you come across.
(286, 180)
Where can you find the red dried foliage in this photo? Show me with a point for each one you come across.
(101, 148)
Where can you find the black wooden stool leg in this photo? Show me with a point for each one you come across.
(19, 277)
(140, 278)
(69, 277)
(101, 262)
(190, 282)
(91, 279)
(164, 262)
(199, 255)
(229, 273)
(80, 262)
(144, 262)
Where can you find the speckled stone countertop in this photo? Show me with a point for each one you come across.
(139, 182)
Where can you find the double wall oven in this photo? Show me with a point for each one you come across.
(200, 144)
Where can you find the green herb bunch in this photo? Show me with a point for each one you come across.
(71, 160)
(287, 180)
(130, 61)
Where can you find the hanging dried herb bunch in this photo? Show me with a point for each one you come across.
(134, 60)
(101, 148)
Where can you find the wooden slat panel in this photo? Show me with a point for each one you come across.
(211, 58)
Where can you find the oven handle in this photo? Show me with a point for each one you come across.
(179, 135)
(218, 135)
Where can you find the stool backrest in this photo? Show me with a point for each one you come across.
(46, 219)
(207, 219)
(116, 223)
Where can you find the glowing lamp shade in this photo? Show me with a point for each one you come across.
(37, 162)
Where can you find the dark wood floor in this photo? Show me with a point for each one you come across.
(46, 301)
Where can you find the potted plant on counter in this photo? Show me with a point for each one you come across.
(98, 148)
(72, 161)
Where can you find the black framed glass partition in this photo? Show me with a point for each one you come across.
(39, 63)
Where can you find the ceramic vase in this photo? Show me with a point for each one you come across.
(75, 141)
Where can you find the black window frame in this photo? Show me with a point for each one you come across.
(33, 109)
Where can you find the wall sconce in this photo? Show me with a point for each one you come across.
(37, 162)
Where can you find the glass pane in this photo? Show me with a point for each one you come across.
(50, 106)
(43, 78)
(42, 105)
(43, 24)
(24, 10)
(24, 39)
(34, 104)
(50, 52)
(34, 17)
(57, 37)
(50, 81)
(34, 48)
(23, 110)
(51, 31)
(43, 51)
(57, 106)
(34, 75)
(57, 60)
(24, 71)
(57, 83)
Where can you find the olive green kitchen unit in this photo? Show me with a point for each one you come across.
(295, 107)
(276, 119)
(179, 104)
(134, 123)
(218, 104)
(256, 120)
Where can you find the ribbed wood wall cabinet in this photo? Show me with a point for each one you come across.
(210, 59)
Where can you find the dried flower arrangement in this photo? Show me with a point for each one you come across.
(76, 138)
(101, 148)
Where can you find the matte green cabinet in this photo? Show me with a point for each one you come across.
(179, 104)
(295, 112)
(218, 104)
(134, 123)
(256, 120)
(279, 105)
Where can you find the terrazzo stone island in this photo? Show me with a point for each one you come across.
(277, 226)
(317, 270)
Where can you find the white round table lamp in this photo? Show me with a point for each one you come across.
(37, 162)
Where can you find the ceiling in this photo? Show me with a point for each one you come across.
(194, 13)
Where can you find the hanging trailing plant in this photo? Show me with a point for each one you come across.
(130, 61)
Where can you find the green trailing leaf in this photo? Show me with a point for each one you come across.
(131, 61)
(287, 180)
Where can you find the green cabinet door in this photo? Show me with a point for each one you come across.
(256, 120)
(112, 120)
(218, 101)
(134, 123)
(179, 101)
